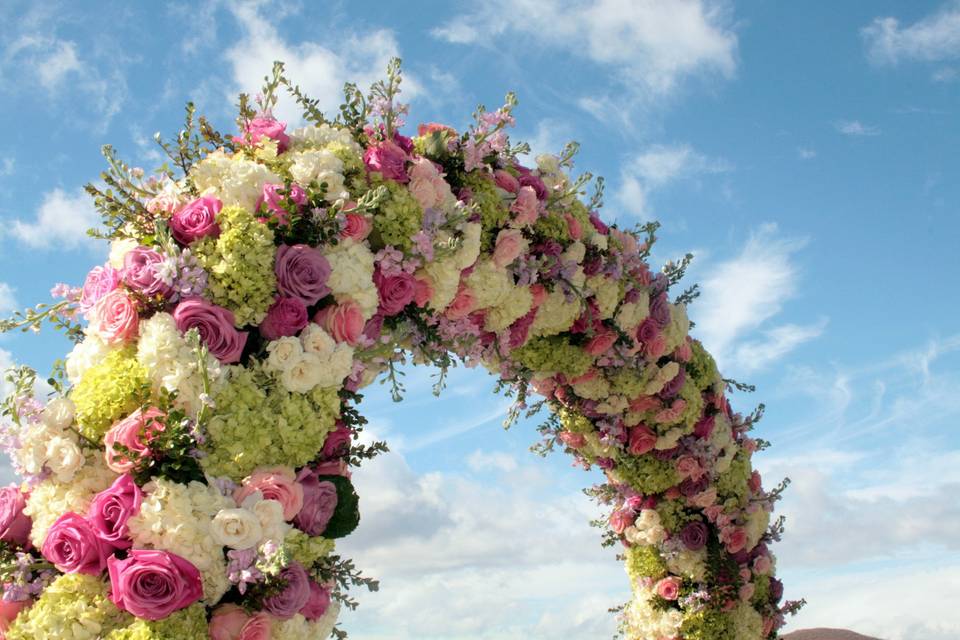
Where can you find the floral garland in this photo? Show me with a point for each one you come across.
(192, 468)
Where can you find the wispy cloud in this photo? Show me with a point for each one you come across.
(658, 166)
(650, 47)
(8, 300)
(320, 69)
(741, 295)
(856, 128)
(806, 153)
(61, 221)
(932, 38)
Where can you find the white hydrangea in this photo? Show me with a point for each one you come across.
(51, 499)
(647, 528)
(678, 328)
(644, 621)
(351, 275)
(444, 278)
(172, 364)
(631, 314)
(555, 315)
(757, 523)
(469, 249)
(747, 622)
(724, 447)
(235, 180)
(490, 284)
(85, 355)
(596, 388)
(690, 564)
(514, 306)
(322, 135)
(319, 165)
(606, 292)
(665, 374)
(179, 518)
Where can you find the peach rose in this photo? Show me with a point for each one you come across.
(510, 244)
(135, 433)
(463, 303)
(668, 588)
(275, 483)
(525, 207)
(343, 321)
(115, 318)
(356, 226)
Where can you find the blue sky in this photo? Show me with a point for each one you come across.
(805, 152)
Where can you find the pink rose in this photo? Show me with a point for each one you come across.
(72, 545)
(463, 304)
(115, 318)
(272, 198)
(571, 439)
(621, 519)
(428, 128)
(601, 342)
(344, 321)
(153, 584)
(319, 502)
(15, 525)
(689, 467)
(135, 433)
(735, 539)
(275, 483)
(331, 468)
(510, 244)
(227, 622)
(642, 440)
(258, 627)
(356, 226)
(762, 565)
(286, 317)
(265, 127)
(668, 588)
(100, 281)
(215, 325)
(506, 181)
(754, 482)
(112, 508)
(338, 441)
(396, 291)
(195, 220)
(317, 603)
(388, 159)
(573, 226)
(427, 185)
(9, 612)
(526, 207)
(141, 272)
(302, 273)
(423, 292)
(746, 591)
(294, 596)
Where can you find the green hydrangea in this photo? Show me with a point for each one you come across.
(732, 484)
(240, 265)
(185, 624)
(553, 354)
(306, 549)
(702, 368)
(108, 391)
(580, 213)
(644, 561)
(256, 422)
(673, 515)
(761, 591)
(399, 218)
(629, 383)
(694, 399)
(494, 212)
(74, 607)
(552, 225)
(575, 422)
(647, 474)
(708, 624)
(352, 162)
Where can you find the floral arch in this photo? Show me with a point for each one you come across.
(189, 470)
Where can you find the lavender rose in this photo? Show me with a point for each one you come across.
(141, 272)
(295, 595)
(286, 317)
(195, 220)
(153, 584)
(215, 325)
(72, 545)
(673, 387)
(694, 535)
(15, 525)
(660, 310)
(112, 508)
(319, 503)
(302, 273)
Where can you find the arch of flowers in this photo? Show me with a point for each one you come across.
(189, 470)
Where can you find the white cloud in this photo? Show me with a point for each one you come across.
(932, 38)
(61, 221)
(739, 297)
(945, 75)
(8, 300)
(856, 128)
(550, 137)
(806, 153)
(658, 166)
(468, 553)
(319, 69)
(650, 45)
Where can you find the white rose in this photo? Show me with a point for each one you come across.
(283, 353)
(270, 514)
(64, 458)
(236, 528)
(304, 374)
(336, 366)
(119, 248)
(317, 341)
(59, 413)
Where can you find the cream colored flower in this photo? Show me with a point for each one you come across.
(64, 458)
(236, 528)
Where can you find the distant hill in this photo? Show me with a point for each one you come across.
(826, 634)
